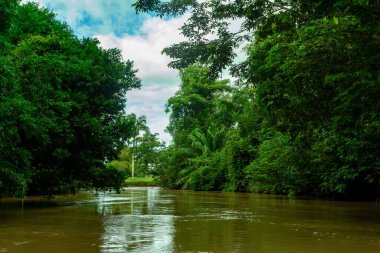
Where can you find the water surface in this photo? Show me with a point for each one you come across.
(155, 220)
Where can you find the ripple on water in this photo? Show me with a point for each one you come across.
(212, 214)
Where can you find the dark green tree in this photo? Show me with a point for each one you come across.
(62, 107)
(308, 88)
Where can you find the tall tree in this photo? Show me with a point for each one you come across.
(192, 105)
(309, 86)
(62, 106)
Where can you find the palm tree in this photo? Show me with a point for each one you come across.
(203, 145)
(207, 143)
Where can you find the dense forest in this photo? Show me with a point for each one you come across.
(62, 102)
(302, 117)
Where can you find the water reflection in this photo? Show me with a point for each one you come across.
(132, 222)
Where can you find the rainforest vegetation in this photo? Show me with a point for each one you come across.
(302, 117)
(300, 114)
(62, 102)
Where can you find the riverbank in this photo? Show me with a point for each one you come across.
(140, 181)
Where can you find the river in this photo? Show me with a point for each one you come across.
(156, 220)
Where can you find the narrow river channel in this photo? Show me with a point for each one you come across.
(157, 220)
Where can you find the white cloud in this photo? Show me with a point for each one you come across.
(150, 101)
(159, 81)
(153, 93)
(145, 47)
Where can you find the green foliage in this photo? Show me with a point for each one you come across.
(171, 160)
(140, 181)
(143, 149)
(273, 170)
(147, 152)
(329, 101)
(192, 104)
(123, 163)
(237, 152)
(107, 179)
(126, 155)
(7, 12)
(207, 173)
(303, 118)
(122, 166)
(61, 105)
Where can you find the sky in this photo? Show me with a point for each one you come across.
(140, 37)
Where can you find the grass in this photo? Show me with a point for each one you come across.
(140, 181)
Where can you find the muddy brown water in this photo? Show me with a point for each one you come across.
(155, 220)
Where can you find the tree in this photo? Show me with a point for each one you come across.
(191, 106)
(147, 152)
(309, 86)
(197, 136)
(210, 41)
(139, 124)
(123, 163)
(141, 148)
(62, 106)
(321, 87)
